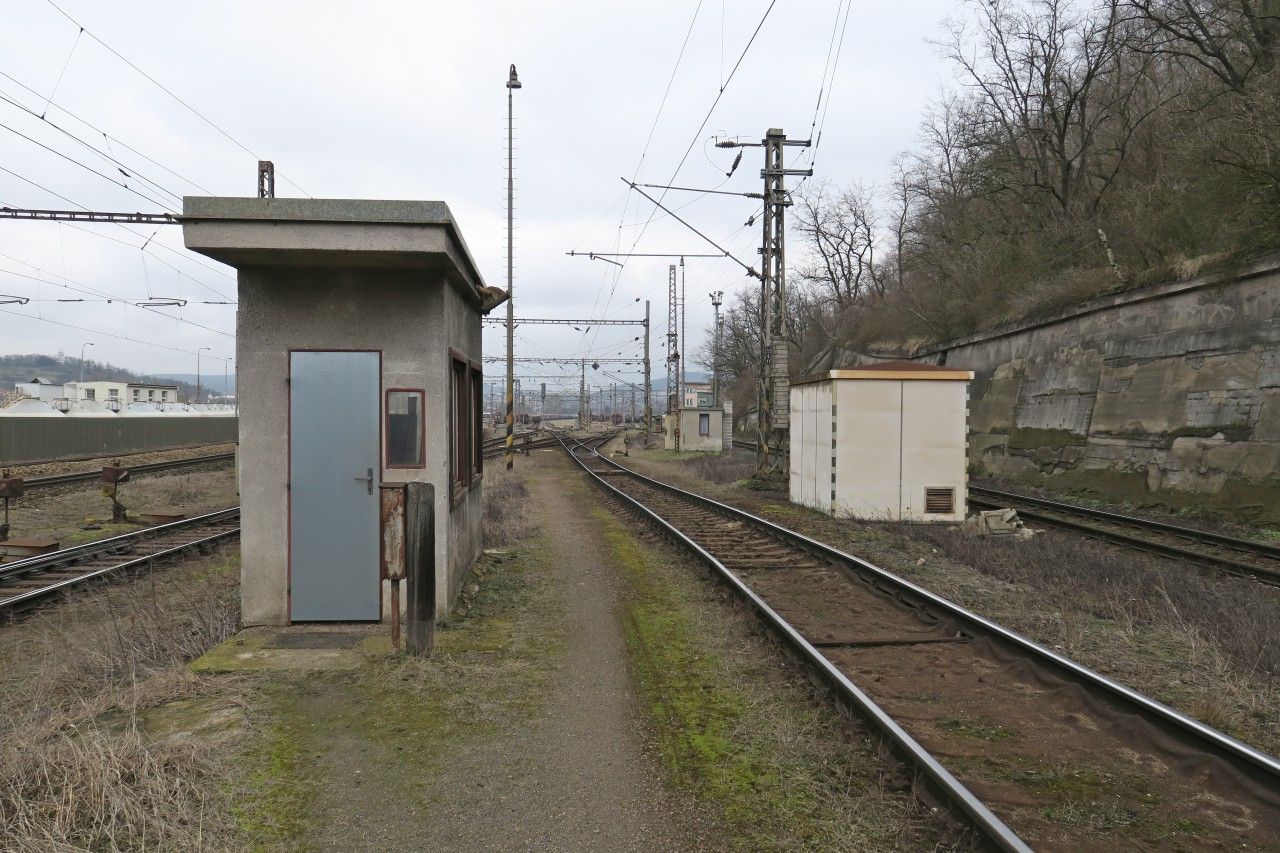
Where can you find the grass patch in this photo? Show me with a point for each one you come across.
(977, 729)
(738, 728)
(399, 718)
(279, 791)
(85, 761)
(506, 508)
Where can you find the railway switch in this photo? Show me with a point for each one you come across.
(10, 488)
(112, 477)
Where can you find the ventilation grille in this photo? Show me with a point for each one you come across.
(939, 501)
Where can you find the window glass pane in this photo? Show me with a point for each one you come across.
(404, 428)
(704, 424)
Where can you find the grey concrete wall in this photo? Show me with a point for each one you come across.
(1167, 394)
(414, 318)
(25, 440)
(691, 441)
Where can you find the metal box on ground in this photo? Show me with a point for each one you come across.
(886, 441)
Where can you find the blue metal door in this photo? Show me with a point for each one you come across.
(333, 486)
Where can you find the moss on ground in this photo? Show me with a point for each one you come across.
(490, 669)
(272, 811)
(737, 729)
(976, 729)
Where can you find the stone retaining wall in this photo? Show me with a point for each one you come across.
(1168, 394)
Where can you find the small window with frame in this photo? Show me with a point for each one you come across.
(477, 420)
(406, 428)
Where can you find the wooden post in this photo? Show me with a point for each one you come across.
(420, 564)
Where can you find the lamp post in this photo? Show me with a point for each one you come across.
(513, 83)
(79, 392)
(200, 350)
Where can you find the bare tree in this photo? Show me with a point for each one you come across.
(839, 238)
(1232, 39)
(1057, 85)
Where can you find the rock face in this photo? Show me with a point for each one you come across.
(1164, 394)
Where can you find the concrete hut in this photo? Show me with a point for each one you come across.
(358, 364)
(884, 441)
(700, 429)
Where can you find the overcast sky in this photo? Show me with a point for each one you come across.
(407, 100)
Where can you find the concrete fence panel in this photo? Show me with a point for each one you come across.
(24, 440)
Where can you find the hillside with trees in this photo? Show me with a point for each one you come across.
(62, 368)
(1088, 147)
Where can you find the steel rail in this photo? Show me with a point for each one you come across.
(993, 498)
(1238, 753)
(986, 821)
(997, 499)
(67, 558)
(146, 468)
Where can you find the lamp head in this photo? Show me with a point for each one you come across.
(513, 82)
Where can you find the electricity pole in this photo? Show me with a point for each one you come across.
(648, 397)
(773, 415)
(584, 417)
(513, 83)
(673, 356)
(198, 351)
(684, 336)
(716, 299)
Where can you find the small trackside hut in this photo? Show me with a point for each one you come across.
(701, 429)
(885, 441)
(358, 365)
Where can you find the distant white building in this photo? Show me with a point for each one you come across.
(697, 395)
(40, 388)
(122, 392)
(148, 393)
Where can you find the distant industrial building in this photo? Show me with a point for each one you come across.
(887, 441)
(698, 395)
(40, 388)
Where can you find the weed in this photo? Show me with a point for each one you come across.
(740, 730)
(77, 766)
(976, 729)
(506, 511)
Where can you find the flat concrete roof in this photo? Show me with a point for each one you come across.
(360, 233)
(903, 370)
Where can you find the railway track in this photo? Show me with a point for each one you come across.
(27, 582)
(147, 468)
(1035, 749)
(1239, 557)
(1230, 555)
(498, 446)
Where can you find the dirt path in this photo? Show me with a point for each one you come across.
(522, 731)
(581, 776)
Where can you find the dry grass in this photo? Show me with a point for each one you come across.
(730, 467)
(77, 770)
(180, 492)
(506, 509)
(1206, 645)
(1237, 620)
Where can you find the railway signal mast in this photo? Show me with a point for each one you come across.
(773, 412)
(673, 352)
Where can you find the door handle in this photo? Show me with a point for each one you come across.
(368, 479)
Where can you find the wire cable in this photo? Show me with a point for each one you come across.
(105, 135)
(127, 171)
(110, 334)
(193, 260)
(171, 94)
